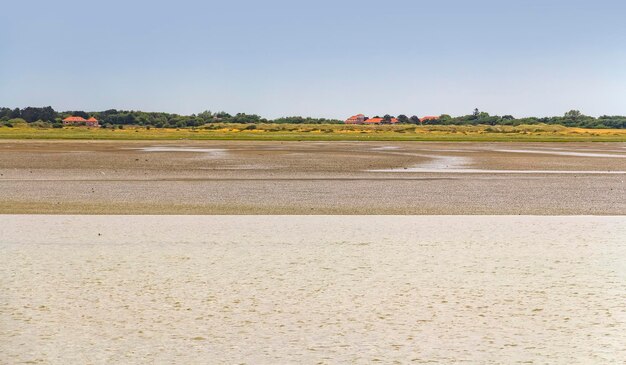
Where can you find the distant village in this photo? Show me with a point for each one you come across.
(47, 117)
(387, 119)
(355, 119)
(78, 121)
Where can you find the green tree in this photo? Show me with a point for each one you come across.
(573, 114)
(206, 115)
(403, 119)
(78, 113)
(15, 113)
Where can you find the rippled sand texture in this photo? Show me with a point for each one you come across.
(312, 289)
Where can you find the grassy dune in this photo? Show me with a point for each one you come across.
(326, 132)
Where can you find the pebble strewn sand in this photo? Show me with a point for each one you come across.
(312, 289)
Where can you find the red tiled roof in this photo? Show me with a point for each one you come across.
(74, 119)
(92, 119)
(430, 117)
(380, 120)
(355, 119)
(360, 118)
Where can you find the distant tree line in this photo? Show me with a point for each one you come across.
(114, 118)
(572, 118)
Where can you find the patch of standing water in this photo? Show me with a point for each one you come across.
(215, 152)
(565, 153)
(457, 165)
(385, 148)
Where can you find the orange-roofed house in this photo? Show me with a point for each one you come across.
(381, 121)
(362, 119)
(356, 119)
(91, 122)
(429, 117)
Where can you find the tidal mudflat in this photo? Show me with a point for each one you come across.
(312, 289)
(247, 177)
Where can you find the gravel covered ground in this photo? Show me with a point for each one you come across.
(237, 177)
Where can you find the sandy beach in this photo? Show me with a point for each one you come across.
(244, 177)
(312, 289)
(313, 182)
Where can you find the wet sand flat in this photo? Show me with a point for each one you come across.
(312, 289)
(245, 177)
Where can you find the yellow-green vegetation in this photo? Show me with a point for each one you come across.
(324, 132)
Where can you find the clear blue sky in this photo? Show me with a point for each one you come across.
(317, 58)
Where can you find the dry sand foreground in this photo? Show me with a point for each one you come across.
(238, 177)
(312, 289)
